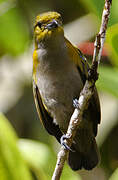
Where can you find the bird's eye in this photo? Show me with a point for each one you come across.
(39, 24)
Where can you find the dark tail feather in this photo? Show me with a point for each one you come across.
(78, 160)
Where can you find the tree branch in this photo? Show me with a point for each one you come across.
(86, 93)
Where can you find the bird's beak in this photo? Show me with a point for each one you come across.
(53, 24)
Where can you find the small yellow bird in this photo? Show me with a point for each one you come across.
(59, 74)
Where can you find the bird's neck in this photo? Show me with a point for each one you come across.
(53, 56)
(54, 42)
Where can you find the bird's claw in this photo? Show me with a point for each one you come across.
(64, 144)
(75, 103)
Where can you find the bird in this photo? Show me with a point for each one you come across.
(59, 73)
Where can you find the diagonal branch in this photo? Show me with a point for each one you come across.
(86, 93)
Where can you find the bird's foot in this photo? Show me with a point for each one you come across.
(76, 103)
(64, 144)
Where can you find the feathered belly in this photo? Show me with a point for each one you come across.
(58, 94)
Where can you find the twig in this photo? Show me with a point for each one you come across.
(86, 93)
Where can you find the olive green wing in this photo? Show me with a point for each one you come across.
(94, 104)
(44, 116)
(83, 67)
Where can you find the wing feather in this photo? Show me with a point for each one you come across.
(44, 116)
(94, 105)
(83, 67)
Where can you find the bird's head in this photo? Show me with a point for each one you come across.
(47, 27)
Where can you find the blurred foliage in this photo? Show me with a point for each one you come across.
(42, 160)
(114, 175)
(13, 31)
(12, 165)
(112, 39)
(29, 159)
(18, 158)
(16, 19)
(97, 7)
(108, 80)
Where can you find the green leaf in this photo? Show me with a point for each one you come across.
(96, 6)
(42, 160)
(38, 156)
(13, 31)
(114, 13)
(112, 39)
(114, 176)
(108, 80)
(12, 165)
